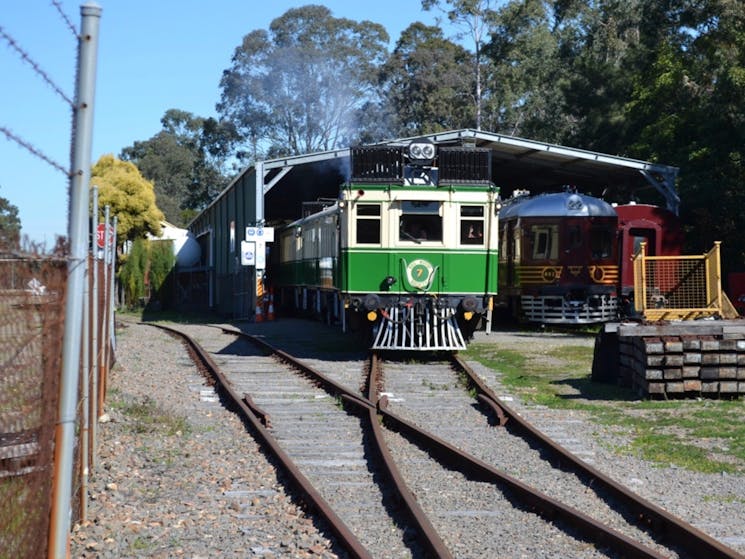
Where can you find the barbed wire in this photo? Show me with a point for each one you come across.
(26, 58)
(66, 19)
(35, 151)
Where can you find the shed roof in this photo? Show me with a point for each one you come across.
(517, 163)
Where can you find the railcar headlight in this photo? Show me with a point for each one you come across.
(371, 302)
(372, 316)
(422, 152)
(468, 315)
(469, 304)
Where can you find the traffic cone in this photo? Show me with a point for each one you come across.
(270, 311)
(259, 313)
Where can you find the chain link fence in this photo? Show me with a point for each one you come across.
(32, 312)
(32, 297)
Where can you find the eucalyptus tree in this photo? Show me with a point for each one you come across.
(424, 84)
(528, 74)
(599, 43)
(688, 109)
(474, 18)
(298, 87)
(187, 161)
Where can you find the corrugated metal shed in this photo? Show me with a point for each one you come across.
(272, 191)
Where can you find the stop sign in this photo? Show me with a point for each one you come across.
(101, 235)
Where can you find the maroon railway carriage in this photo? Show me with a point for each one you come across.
(559, 258)
(566, 258)
(659, 228)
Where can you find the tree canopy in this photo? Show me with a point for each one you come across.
(129, 195)
(658, 81)
(473, 17)
(186, 161)
(424, 85)
(10, 225)
(298, 87)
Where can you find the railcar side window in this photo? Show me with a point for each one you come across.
(545, 241)
(639, 236)
(420, 221)
(472, 225)
(368, 224)
(575, 237)
(601, 243)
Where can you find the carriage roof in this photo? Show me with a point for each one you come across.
(559, 204)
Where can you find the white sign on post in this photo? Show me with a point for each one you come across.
(259, 236)
(260, 255)
(265, 234)
(248, 253)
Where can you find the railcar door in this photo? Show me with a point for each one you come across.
(510, 254)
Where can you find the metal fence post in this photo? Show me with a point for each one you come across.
(112, 293)
(64, 449)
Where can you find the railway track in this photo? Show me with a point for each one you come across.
(522, 455)
(462, 504)
(325, 450)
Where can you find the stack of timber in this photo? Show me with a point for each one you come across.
(700, 358)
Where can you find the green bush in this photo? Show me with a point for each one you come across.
(132, 275)
(160, 272)
(145, 274)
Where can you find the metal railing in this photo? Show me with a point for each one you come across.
(680, 287)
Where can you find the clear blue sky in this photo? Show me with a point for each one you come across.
(152, 56)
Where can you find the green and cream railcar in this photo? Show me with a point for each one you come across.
(408, 248)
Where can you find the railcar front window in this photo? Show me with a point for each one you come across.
(601, 243)
(420, 221)
(545, 241)
(472, 225)
(368, 224)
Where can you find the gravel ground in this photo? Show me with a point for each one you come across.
(201, 489)
(177, 475)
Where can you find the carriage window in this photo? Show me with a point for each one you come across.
(601, 243)
(420, 221)
(575, 237)
(368, 224)
(640, 236)
(545, 241)
(472, 225)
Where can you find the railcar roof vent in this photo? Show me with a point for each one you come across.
(465, 165)
(377, 164)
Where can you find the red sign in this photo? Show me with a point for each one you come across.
(101, 235)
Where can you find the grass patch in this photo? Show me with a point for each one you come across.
(140, 544)
(699, 435)
(558, 378)
(147, 417)
(665, 449)
(434, 386)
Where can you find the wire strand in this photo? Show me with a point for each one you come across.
(26, 58)
(66, 19)
(35, 151)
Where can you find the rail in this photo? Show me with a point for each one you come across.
(698, 543)
(680, 287)
(257, 419)
(687, 536)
